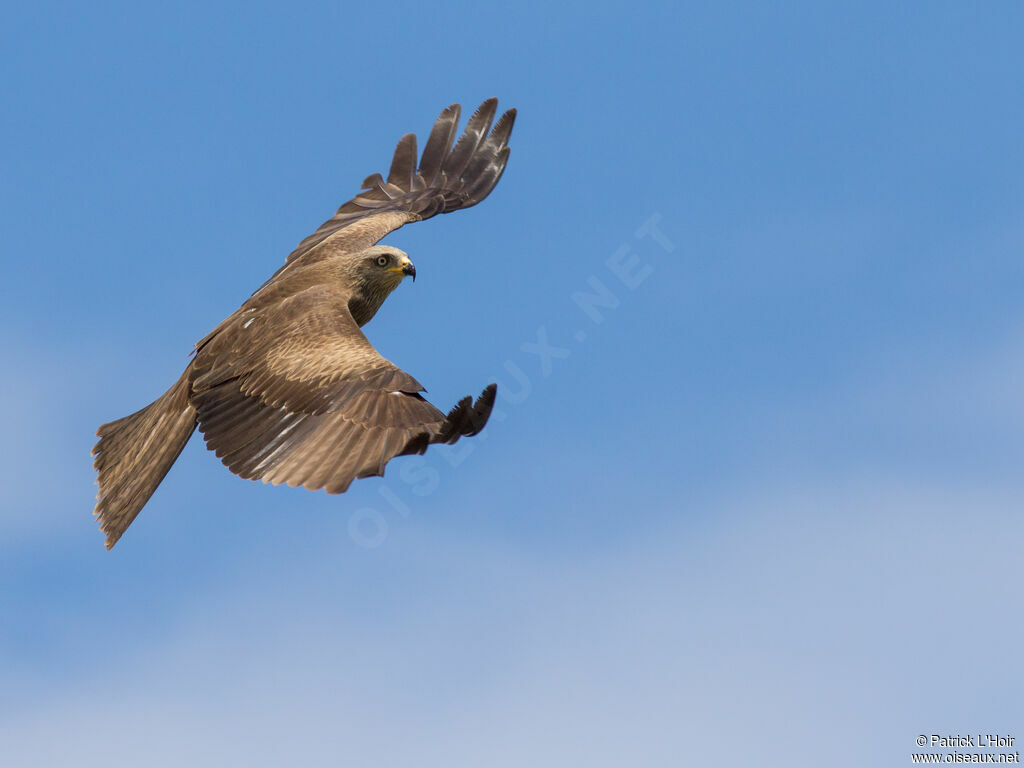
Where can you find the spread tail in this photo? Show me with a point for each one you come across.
(134, 454)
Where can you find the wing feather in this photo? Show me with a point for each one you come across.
(438, 145)
(448, 179)
(403, 166)
(476, 129)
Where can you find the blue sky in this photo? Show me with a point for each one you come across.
(766, 511)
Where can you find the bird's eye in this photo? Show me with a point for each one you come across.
(382, 261)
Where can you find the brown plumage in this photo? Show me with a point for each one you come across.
(288, 389)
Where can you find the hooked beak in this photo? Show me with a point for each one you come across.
(404, 268)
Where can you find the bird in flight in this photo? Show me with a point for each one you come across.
(287, 389)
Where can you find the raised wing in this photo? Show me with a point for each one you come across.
(447, 178)
(294, 393)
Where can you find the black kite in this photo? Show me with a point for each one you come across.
(288, 389)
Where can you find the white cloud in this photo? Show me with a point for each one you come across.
(815, 626)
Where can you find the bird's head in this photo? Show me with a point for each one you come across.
(382, 267)
(376, 272)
